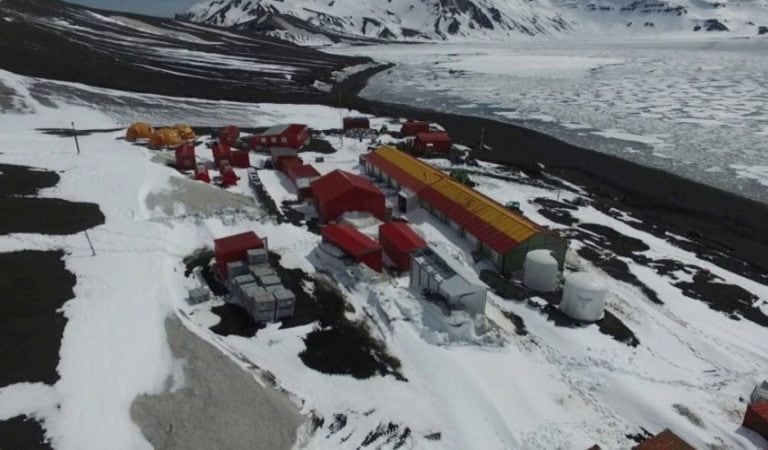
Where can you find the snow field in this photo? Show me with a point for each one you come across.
(474, 381)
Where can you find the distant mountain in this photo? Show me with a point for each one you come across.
(318, 21)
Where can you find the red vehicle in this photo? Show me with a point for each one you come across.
(201, 174)
(228, 176)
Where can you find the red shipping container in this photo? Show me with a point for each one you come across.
(229, 135)
(356, 123)
(354, 243)
(185, 156)
(414, 127)
(339, 192)
(433, 142)
(240, 158)
(666, 440)
(756, 418)
(234, 248)
(399, 241)
(221, 152)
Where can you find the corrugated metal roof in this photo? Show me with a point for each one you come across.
(483, 217)
(339, 182)
(302, 171)
(402, 236)
(407, 170)
(279, 130)
(350, 239)
(666, 440)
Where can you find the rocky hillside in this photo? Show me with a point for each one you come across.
(321, 21)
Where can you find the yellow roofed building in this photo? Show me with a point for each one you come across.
(501, 234)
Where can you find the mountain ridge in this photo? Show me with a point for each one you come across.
(320, 21)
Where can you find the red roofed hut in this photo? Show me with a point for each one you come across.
(229, 135)
(288, 136)
(284, 162)
(399, 241)
(234, 248)
(356, 123)
(414, 127)
(302, 176)
(666, 440)
(756, 418)
(433, 142)
(354, 243)
(339, 192)
(185, 156)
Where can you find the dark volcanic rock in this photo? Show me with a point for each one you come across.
(762, 30)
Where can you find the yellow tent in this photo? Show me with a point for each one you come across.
(138, 130)
(185, 131)
(165, 137)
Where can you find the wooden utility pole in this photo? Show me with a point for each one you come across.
(74, 135)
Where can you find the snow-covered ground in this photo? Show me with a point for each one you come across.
(471, 383)
(690, 106)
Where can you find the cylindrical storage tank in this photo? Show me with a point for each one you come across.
(540, 271)
(583, 297)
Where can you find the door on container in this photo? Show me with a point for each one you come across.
(402, 203)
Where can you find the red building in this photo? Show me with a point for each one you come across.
(234, 248)
(339, 192)
(282, 163)
(185, 156)
(433, 142)
(399, 241)
(221, 152)
(302, 176)
(756, 418)
(666, 440)
(356, 123)
(355, 244)
(229, 135)
(240, 158)
(287, 136)
(414, 127)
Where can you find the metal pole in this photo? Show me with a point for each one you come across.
(93, 252)
(74, 134)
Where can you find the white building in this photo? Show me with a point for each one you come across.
(436, 271)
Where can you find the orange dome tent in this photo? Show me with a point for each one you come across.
(165, 137)
(138, 130)
(185, 131)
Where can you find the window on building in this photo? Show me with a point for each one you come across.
(283, 139)
(274, 139)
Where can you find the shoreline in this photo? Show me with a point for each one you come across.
(726, 221)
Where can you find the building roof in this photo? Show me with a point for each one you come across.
(339, 182)
(666, 440)
(483, 217)
(350, 240)
(760, 408)
(237, 242)
(302, 171)
(279, 130)
(434, 136)
(402, 236)
(408, 171)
